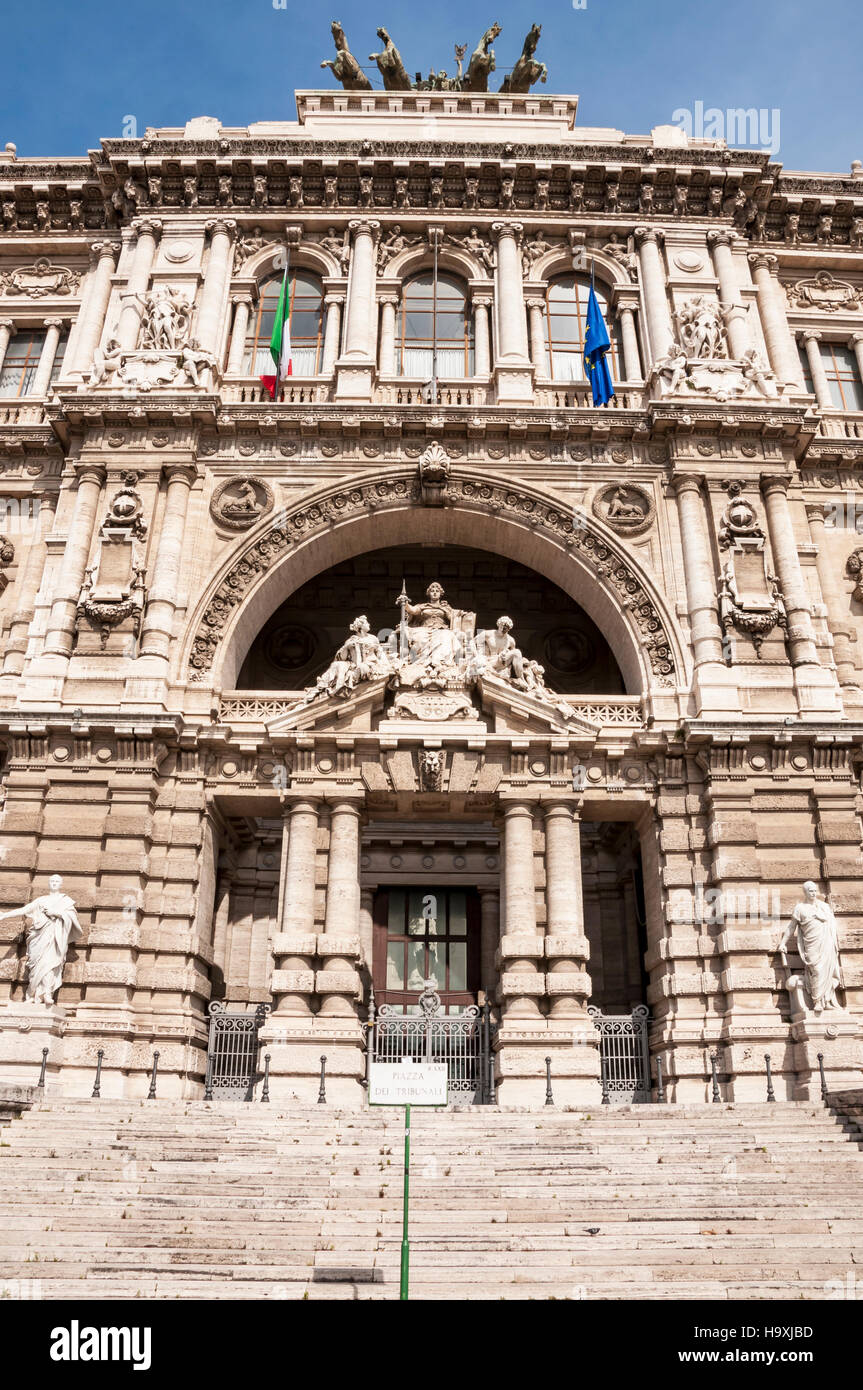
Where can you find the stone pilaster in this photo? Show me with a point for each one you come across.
(16, 645)
(42, 375)
(714, 684)
(210, 317)
(7, 332)
(356, 366)
(781, 347)
(514, 371)
(812, 343)
(94, 306)
(61, 623)
(147, 232)
(731, 303)
(242, 303)
(481, 302)
(338, 983)
(839, 619)
(389, 305)
(334, 303)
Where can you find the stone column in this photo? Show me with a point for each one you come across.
(209, 318)
(733, 309)
(7, 332)
(855, 342)
(61, 621)
(781, 345)
(660, 331)
(295, 945)
(94, 306)
(16, 646)
(626, 303)
(838, 619)
(338, 982)
(801, 639)
(537, 335)
(128, 324)
(360, 326)
(489, 907)
(566, 947)
(367, 926)
(332, 332)
(481, 335)
(42, 375)
(812, 340)
(522, 983)
(242, 303)
(509, 288)
(698, 570)
(164, 588)
(389, 304)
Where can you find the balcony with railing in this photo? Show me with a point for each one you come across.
(258, 708)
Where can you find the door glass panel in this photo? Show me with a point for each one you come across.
(457, 965)
(395, 965)
(416, 964)
(396, 917)
(434, 906)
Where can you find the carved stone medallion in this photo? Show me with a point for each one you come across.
(238, 503)
(626, 508)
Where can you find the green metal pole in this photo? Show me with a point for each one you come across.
(403, 1290)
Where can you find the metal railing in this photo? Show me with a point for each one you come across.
(463, 1041)
(623, 1056)
(232, 1053)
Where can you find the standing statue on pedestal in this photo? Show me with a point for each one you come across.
(52, 924)
(813, 929)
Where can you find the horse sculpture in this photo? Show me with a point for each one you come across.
(481, 62)
(390, 64)
(526, 70)
(346, 68)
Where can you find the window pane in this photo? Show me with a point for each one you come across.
(416, 964)
(457, 913)
(416, 919)
(437, 963)
(395, 965)
(396, 915)
(457, 965)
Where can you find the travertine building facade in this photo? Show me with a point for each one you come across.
(183, 557)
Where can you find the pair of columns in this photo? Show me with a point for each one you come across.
(338, 946)
(701, 588)
(47, 357)
(563, 949)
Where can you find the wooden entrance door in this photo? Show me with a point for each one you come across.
(426, 933)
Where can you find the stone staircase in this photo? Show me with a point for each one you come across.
(172, 1199)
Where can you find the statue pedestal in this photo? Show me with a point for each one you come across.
(838, 1036)
(25, 1031)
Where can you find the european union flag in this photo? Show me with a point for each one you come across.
(596, 345)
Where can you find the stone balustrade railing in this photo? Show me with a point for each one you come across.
(259, 707)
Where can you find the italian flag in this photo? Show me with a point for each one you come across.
(280, 343)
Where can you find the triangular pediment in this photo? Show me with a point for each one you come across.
(520, 711)
(334, 712)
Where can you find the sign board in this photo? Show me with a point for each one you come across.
(407, 1083)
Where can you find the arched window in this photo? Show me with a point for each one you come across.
(565, 318)
(416, 328)
(307, 318)
(18, 371)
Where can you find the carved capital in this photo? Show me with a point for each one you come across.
(775, 482)
(654, 234)
(722, 236)
(225, 226)
(364, 227)
(103, 250)
(535, 302)
(147, 226)
(503, 229)
(687, 482)
(91, 473)
(811, 335)
(817, 511)
(335, 299)
(54, 323)
(9, 325)
(763, 260)
(854, 340)
(243, 297)
(388, 298)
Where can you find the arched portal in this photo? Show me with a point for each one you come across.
(300, 639)
(569, 546)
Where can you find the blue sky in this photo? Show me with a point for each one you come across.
(72, 72)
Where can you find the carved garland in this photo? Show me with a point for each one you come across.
(544, 517)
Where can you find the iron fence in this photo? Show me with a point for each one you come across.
(463, 1041)
(624, 1057)
(232, 1052)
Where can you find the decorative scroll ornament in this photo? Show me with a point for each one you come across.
(854, 570)
(124, 512)
(40, 280)
(824, 293)
(753, 615)
(434, 471)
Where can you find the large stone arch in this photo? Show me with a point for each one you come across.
(579, 553)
